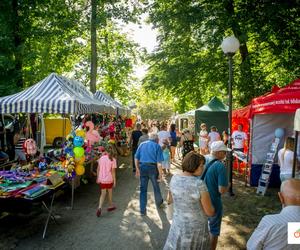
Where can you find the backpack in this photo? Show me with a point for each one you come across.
(30, 147)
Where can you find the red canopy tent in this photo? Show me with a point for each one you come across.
(284, 100)
(270, 111)
(241, 116)
(275, 109)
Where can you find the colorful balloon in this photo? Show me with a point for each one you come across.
(79, 169)
(78, 141)
(80, 132)
(78, 152)
(80, 161)
(279, 132)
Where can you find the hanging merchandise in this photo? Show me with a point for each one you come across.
(68, 145)
(69, 165)
(30, 147)
(92, 135)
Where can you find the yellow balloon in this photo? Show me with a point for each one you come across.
(79, 169)
(80, 160)
(80, 132)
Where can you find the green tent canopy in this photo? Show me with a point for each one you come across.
(214, 113)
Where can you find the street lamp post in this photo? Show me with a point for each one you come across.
(229, 46)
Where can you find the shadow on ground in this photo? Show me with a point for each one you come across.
(81, 229)
(125, 228)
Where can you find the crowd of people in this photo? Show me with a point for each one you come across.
(194, 226)
(196, 192)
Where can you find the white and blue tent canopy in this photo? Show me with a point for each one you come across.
(55, 94)
(107, 99)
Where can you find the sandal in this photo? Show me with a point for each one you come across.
(98, 213)
(111, 208)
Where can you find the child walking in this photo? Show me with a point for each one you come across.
(106, 178)
(166, 154)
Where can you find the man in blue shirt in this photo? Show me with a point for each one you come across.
(148, 160)
(216, 181)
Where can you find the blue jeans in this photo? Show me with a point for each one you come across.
(146, 173)
(284, 177)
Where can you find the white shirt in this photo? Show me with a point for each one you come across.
(239, 138)
(154, 129)
(203, 137)
(271, 232)
(214, 136)
(285, 161)
(162, 136)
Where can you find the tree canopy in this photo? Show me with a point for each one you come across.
(40, 37)
(189, 61)
(187, 68)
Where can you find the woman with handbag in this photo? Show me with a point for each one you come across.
(191, 206)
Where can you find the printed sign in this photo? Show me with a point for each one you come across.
(293, 232)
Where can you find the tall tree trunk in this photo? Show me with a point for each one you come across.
(111, 90)
(93, 47)
(18, 43)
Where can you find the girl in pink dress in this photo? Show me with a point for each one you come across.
(106, 178)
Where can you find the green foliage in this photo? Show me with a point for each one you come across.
(116, 58)
(190, 64)
(157, 110)
(157, 104)
(39, 37)
(54, 36)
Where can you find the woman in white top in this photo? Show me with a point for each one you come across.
(285, 159)
(203, 139)
(213, 135)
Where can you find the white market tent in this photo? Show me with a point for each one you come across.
(55, 94)
(108, 100)
(185, 120)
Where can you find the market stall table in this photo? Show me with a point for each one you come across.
(20, 192)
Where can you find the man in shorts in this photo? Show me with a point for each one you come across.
(217, 184)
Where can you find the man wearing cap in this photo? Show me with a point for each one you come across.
(215, 177)
(148, 159)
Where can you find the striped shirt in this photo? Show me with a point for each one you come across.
(19, 145)
(271, 232)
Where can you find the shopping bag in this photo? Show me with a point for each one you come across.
(169, 211)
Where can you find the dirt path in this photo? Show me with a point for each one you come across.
(123, 228)
(81, 229)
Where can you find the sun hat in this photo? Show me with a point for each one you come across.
(217, 146)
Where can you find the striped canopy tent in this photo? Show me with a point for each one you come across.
(107, 99)
(55, 94)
